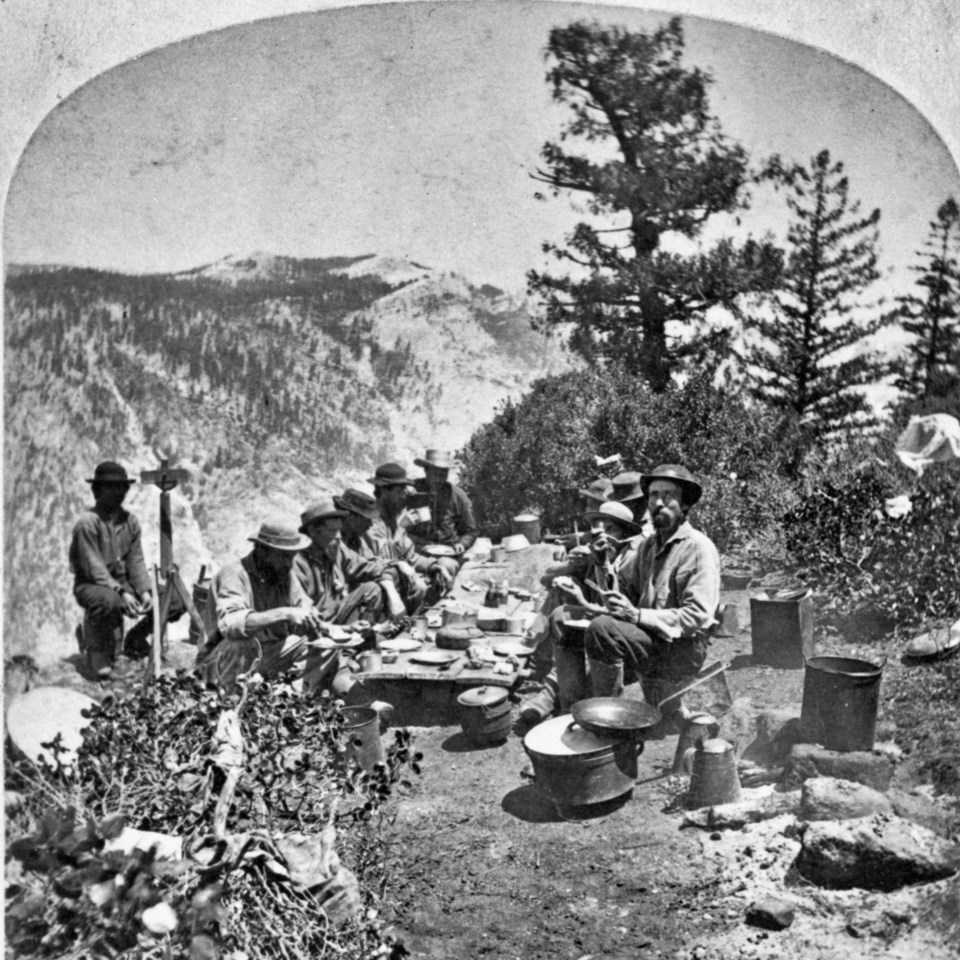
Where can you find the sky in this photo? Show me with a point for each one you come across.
(411, 131)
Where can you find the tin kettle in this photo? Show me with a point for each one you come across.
(713, 774)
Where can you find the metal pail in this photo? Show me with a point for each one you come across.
(528, 524)
(361, 731)
(840, 697)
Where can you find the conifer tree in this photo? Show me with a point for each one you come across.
(810, 361)
(654, 161)
(933, 316)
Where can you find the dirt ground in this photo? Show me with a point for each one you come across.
(481, 864)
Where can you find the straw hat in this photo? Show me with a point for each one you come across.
(616, 511)
(437, 459)
(599, 490)
(626, 487)
(321, 510)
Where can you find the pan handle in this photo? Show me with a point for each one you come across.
(719, 668)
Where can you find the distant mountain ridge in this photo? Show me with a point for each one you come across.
(271, 379)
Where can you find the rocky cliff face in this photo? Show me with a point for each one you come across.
(272, 380)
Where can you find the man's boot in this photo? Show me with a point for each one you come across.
(540, 705)
(606, 679)
(571, 667)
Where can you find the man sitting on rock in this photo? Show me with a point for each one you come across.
(110, 575)
(451, 522)
(657, 626)
(343, 586)
(258, 616)
(388, 533)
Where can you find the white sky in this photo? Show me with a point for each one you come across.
(410, 130)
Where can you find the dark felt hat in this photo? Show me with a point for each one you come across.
(679, 475)
(279, 536)
(109, 472)
(358, 502)
(390, 475)
(626, 487)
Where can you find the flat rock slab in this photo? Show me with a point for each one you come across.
(40, 715)
(881, 852)
(827, 798)
(808, 760)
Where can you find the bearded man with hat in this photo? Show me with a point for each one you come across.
(657, 625)
(258, 616)
(577, 591)
(451, 520)
(389, 536)
(110, 574)
(343, 586)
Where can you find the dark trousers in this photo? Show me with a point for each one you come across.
(104, 609)
(614, 641)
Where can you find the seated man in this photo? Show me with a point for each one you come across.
(627, 489)
(658, 625)
(110, 575)
(342, 585)
(451, 520)
(258, 616)
(615, 538)
(388, 533)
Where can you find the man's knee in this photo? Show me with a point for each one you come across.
(101, 603)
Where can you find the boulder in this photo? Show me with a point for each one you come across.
(827, 798)
(882, 852)
(919, 809)
(808, 760)
(771, 913)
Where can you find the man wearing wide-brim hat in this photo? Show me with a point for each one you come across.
(389, 535)
(658, 625)
(110, 575)
(451, 520)
(628, 489)
(343, 586)
(577, 593)
(258, 617)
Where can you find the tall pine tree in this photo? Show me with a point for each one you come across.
(654, 161)
(810, 362)
(932, 366)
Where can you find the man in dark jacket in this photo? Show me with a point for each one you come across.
(110, 575)
(451, 522)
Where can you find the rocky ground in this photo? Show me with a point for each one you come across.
(482, 864)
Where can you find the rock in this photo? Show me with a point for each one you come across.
(881, 852)
(737, 725)
(858, 766)
(776, 732)
(919, 809)
(732, 816)
(771, 913)
(827, 798)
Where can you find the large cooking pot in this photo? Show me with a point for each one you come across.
(575, 767)
(485, 715)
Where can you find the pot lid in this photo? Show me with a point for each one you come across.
(562, 737)
(482, 696)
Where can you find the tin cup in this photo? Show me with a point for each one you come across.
(498, 555)
(370, 661)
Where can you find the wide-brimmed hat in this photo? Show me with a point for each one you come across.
(626, 487)
(279, 536)
(438, 459)
(110, 472)
(390, 475)
(321, 510)
(599, 490)
(358, 502)
(616, 511)
(679, 475)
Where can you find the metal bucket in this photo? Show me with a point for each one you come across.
(200, 592)
(528, 524)
(485, 715)
(781, 629)
(361, 731)
(840, 697)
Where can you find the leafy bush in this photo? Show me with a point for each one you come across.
(536, 453)
(147, 761)
(867, 562)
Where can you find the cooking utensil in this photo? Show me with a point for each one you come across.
(350, 642)
(511, 648)
(615, 716)
(434, 658)
(703, 676)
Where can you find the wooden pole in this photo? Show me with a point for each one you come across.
(157, 625)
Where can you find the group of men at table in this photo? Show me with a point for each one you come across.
(641, 584)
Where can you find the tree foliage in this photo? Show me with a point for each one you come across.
(654, 162)
(810, 362)
(932, 315)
